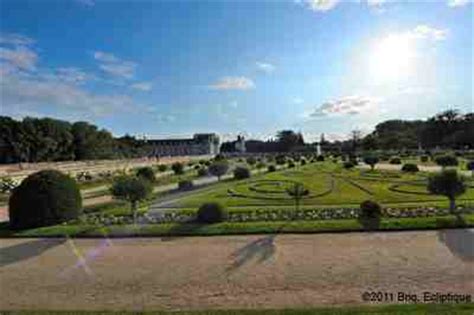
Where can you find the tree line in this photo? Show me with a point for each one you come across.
(46, 139)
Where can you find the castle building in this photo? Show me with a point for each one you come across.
(199, 144)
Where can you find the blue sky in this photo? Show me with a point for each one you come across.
(167, 68)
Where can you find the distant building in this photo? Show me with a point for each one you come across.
(240, 144)
(200, 144)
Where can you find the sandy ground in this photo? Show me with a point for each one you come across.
(231, 272)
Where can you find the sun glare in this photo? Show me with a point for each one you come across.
(392, 58)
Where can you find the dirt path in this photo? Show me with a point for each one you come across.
(231, 272)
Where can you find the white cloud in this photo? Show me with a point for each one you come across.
(321, 5)
(20, 57)
(265, 67)
(142, 86)
(458, 3)
(233, 83)
(16, 40)
(428, 32)
(115, 66)
(350, 105)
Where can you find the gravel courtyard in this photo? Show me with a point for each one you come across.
(264, 271)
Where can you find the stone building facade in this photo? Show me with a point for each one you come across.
(199, 144)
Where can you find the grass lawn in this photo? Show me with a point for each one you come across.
(328, 184)
(358, 310)
(235, 228)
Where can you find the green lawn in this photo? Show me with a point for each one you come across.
(420, 309)
(328, 184)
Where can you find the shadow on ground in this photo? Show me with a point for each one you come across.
(261, 249)
(460, 242)
(26, 250)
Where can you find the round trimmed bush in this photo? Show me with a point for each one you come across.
(303, 162)
(211, 212)
(260, 165)
(320, 158)
(185, 185)
(197, 167)
(251, 161)
(178, 168)
(370, 209)
(241, 172)
(410, 168)
(146, 173)
(424, 158)
(470, 165)
(162, 168)
(271, 168)
(203, 172)
(44, 198)
(348, 165)
(395, 160)
(291, 164)
(446, 160)
(280, 159)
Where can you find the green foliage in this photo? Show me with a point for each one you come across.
(291, 164)
(370, 209)
(130, 188)
(202, 172)
(288, 139)
(446, 160)
(261, 165)
(219, 168)
(280, 160)
(271, 168)
(297, 192)
(320, 158)
(185, 185)
(410, 168)
(241, 172)
(447, 183)
(211, 212)
(44, 198)
(146, 173)
(371, 160)
(395, 160)
(251, 161)
(178, 168)
(424, 158)
(348, 165)
(162, 168)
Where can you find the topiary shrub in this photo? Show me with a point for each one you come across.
(271, 168)
(348, 165)
(395, 160)
(446, 160)
(371, 161)
(470, 166)
(203, 172)
(280, 159)
(424, 158)
(162, 168)
(185, 185)
(241, 172)
(261, 165)
(211, 212)
(146, 173)
(320, 158)
(45, 198)
(303, 162)
(291, 164)
(251, 161)
(197, 167)
(410, 168)
(178, 168)
(370, 213)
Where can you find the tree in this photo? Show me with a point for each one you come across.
(241, 172)
(288, 139)
(297, 192)
(251, 161)
(447, 183)
(146, 173)
(132, 189)
(371, 160)
(178, 168)
(218, 168)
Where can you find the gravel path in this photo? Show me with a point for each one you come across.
(231, 272)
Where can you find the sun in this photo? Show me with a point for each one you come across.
(392, 58)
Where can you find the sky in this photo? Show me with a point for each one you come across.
(174, 68)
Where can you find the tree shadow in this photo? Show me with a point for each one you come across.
(26, 250)
(262, 249)
(370, 223)
(460, 242)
